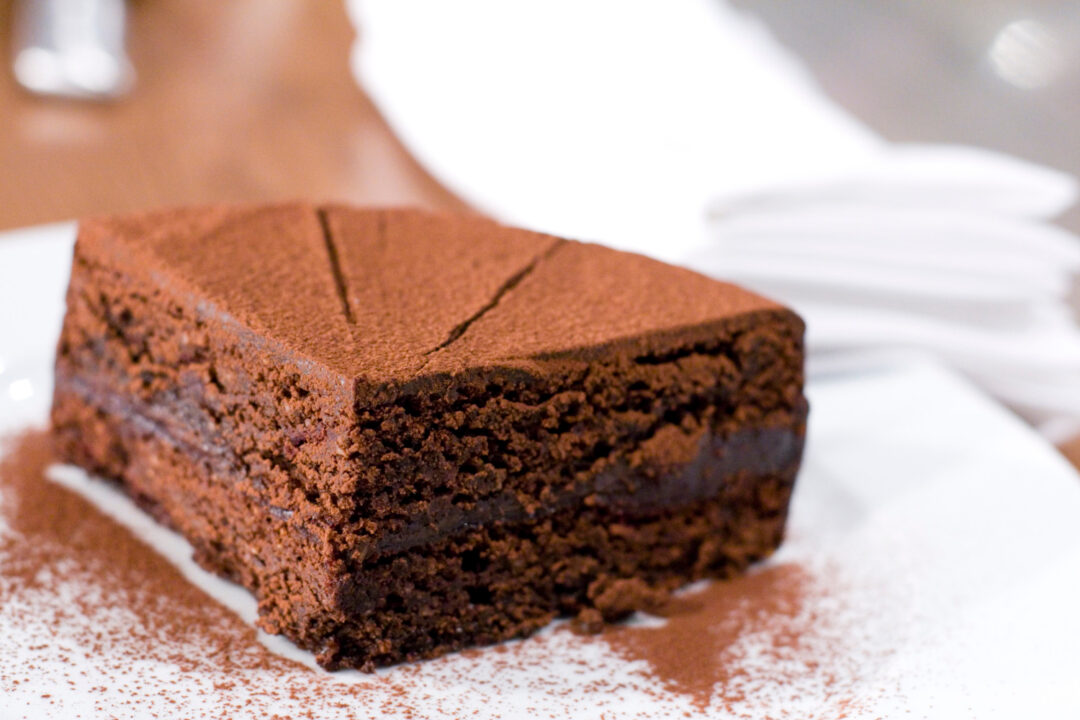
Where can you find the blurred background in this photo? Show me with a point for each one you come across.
(253, 100)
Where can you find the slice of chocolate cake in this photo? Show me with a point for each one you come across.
(407, 433)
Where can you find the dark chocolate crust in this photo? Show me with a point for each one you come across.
(407, 432)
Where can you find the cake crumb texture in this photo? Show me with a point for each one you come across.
(407, 433)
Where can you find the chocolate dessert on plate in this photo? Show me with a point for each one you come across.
(407, 433)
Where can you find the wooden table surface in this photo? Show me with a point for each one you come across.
(235, 101)
(245, 100)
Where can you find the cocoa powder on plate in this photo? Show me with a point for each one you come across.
(106, 601)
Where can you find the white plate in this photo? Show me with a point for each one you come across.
(954, 528)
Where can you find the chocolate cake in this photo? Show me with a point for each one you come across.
(407, 433)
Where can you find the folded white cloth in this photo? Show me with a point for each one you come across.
(684, 131)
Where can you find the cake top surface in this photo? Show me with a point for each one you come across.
(385, 295)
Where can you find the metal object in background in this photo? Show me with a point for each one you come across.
(72, 48)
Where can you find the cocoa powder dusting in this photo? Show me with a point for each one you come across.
(93, 585)
(697, 650)
(58, 533)
(779, 642)
(108, 627)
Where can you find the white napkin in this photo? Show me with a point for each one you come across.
(684, 131)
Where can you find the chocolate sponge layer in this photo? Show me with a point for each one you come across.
(407, 433)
